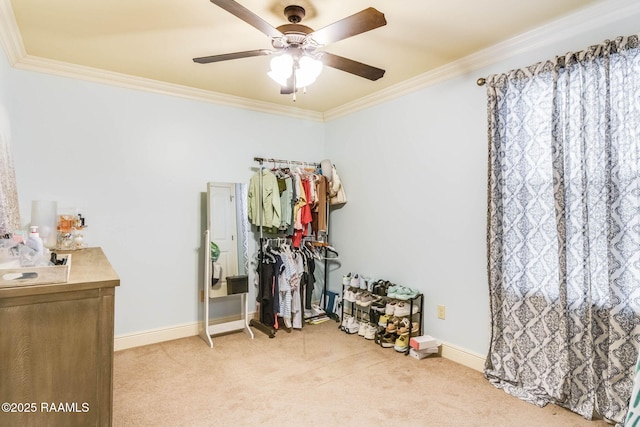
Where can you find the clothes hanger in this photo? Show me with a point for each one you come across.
(332, 250)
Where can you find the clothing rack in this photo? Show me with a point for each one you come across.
(261, 160)
(266, 329)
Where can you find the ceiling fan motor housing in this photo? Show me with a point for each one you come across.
(294, 14)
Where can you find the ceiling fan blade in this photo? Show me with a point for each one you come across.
(351, 66)
(235, 55)
(363, 21)
(247, 16)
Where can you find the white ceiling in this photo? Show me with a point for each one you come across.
(157, 39)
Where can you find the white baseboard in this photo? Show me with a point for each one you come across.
(462, 356)
(154, 336)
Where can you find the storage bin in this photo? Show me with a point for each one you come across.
(28, 276)
(237, 284)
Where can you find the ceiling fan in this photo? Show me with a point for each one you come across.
(295, 45)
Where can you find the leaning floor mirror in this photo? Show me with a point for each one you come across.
(226, 258)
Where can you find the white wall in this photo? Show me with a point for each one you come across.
(415, 173)
(137, 163)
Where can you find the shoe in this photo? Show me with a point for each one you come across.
(364, 283)
(374, 317)
(357, 297)
(375, 287)
(365, 299)
(390, 308)
(405, 293)
(415, 328)
(404, 309)
(391, 290)
(379, 305)
(362, 330)
(317, 310)
(355, 281)
(404, 326)
(379, 333)
(402, 343)
(382, 321)
(346, 279)
(392, 325)
(352, 326)
(400, 291)
(370, 332)
(349, 295)
(388, 340)
(345, 321)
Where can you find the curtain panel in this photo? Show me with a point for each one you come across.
(9, 208)
(563, 229)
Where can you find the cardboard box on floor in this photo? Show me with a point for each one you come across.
(422, 342)
(421, 354)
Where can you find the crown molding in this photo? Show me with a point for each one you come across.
(602, 13)
(10, 37)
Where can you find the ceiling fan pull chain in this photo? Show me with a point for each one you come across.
(294, 81)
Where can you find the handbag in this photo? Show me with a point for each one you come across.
(337, 194)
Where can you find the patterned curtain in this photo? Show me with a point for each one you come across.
(9, 209)
(563, 229)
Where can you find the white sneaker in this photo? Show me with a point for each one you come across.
(345, 322)
(365, 299)
(403, 309)
(346, 279)
(390, 308)
(355, 281)
(352, 326)
(362, 330)
(349, 295)
(370, 333)
(317, 310)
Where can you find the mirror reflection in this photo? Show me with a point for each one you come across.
(228, 229)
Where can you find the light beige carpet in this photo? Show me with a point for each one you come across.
(319, 376)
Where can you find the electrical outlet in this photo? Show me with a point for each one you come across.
(441, 312)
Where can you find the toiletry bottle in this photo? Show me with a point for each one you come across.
(34, 241)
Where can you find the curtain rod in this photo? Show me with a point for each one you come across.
(481, 81)
(296, 162)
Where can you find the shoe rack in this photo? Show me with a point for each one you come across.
(362, 304)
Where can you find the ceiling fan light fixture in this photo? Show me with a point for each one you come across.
(281, 68)
(308, 71)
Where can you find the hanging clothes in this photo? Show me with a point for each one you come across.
(304, 217)
(286, 203)
(319, 212)
(291, 203)
(286, 282)
(269, 205)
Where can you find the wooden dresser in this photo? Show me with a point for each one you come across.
(56, 347)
